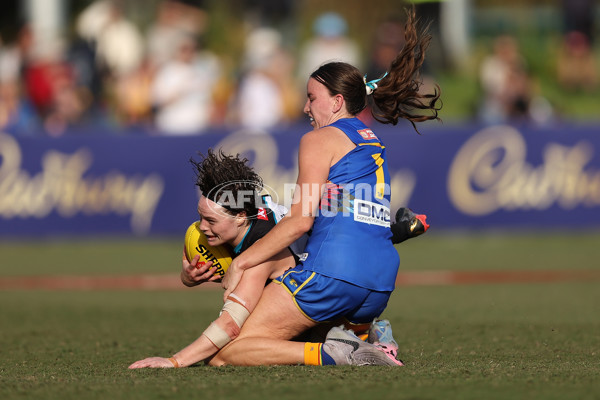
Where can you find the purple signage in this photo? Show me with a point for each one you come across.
(461, 177)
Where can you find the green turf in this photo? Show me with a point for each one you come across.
(428, 252)
(463, 342)
(502, 251)
(90, 257)
(505, 341)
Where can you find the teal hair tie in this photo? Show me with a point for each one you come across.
(372, 85)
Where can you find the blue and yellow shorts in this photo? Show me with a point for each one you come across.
(324, 299)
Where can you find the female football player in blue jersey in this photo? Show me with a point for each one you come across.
(342, 200)
(239, 225)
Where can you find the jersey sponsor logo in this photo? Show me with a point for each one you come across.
(367, 134)
(371, 213)
(262, 214)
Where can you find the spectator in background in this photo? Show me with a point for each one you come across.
(172, 19)
(329, 43)
(84, 50)
(505, 83)
(49, 84)
(109, 61)
(182, 90)
(578, 15)
(267, 95)
(120, 43)
(510, 93)
(68, 104)
(133, 92)
(87, 77)
(132, 97)
(576, 65)
(17, 114)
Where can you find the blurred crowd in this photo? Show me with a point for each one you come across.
(511, 91)
(115, 77)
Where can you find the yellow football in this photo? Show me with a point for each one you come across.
(196, 243)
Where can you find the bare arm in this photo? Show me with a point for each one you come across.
(314, 159)
(250, 289)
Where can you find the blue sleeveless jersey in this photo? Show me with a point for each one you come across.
(351, 237)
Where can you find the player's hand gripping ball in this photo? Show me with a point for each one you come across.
(196, 243)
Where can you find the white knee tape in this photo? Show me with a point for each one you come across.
(236, 311)
(217, 335)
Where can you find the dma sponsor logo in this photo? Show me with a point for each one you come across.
(371, 213)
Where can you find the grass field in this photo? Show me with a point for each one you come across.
(492, 341)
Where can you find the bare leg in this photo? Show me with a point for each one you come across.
(265, 337)
(248, 291)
